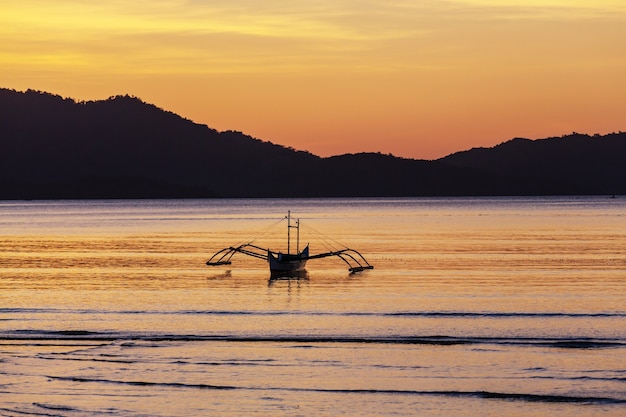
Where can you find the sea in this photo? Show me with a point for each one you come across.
(475, 307)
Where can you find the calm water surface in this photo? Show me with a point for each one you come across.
(476, 307)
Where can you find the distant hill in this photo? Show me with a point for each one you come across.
(581, 163)
(54, 147)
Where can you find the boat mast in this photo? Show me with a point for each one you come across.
(297, 227)
(298, 236)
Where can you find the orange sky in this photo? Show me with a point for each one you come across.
(416, 78)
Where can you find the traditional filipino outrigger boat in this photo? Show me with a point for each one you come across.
(280, 262)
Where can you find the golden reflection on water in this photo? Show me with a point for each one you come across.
(488, 271)
(453, 249)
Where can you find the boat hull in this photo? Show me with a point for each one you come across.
(281, 262)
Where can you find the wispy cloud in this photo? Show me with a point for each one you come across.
(243, 35)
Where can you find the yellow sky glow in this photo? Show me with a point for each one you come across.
(419, 79)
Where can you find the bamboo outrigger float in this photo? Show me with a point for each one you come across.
(289, 262)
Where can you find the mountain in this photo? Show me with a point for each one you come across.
(122, 147)
(581, 163)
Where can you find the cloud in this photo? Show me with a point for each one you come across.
(234, 36)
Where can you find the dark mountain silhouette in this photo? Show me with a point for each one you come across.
(54, 147)
(583, 164)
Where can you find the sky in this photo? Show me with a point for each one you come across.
(418, 79)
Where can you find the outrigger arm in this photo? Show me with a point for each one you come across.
(223, 257)
(353, 258)
(356, 262)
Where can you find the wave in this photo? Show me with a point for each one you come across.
(584, 378)
(442, 340)
(524, 397)
(144, 383)
(55, 407)
(433, 314)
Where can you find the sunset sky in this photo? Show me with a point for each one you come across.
(418, 78)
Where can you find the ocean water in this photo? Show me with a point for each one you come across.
(476, 307)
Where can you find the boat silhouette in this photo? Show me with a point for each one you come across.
(280, 263)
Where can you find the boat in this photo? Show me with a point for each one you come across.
(285, 263)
